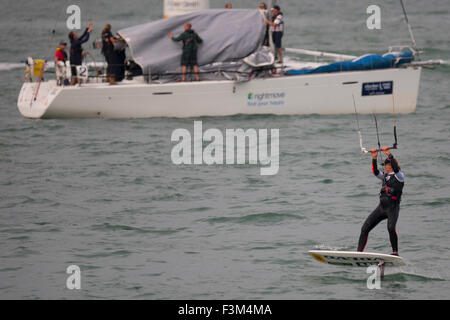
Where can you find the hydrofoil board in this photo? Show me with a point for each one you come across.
(356, 259)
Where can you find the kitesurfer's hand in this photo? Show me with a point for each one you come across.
(386, 150)
(374, 153)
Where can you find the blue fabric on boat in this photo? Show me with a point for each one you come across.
(366, 62)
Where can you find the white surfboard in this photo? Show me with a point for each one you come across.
(356, 259)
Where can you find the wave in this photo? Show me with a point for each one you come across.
(120, 227)
(269, 217)
(6, 66)
(405, 274)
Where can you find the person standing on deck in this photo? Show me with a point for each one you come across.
(60, 54)
(76, 51)
(277, 24)
(191, 40)
(118, 56)
(107, 51)
(60, 63)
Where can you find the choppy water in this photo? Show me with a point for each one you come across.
(104, 194)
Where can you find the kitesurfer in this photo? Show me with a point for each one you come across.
(191, 40)
(393, 180)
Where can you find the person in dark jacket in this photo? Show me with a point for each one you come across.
(76, 50)
(118, 56)
(191, 40)
(393, 181)
(107, 51)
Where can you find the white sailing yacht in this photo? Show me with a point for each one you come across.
(238, 76)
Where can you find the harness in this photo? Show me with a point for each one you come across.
(391, 189)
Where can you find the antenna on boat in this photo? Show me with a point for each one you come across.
(409, 26)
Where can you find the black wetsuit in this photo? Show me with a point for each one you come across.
(389, 206)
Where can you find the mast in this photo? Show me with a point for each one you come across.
(269, 16)
(409, 26)
(413, 40)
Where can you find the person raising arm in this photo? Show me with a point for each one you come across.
(388, 208)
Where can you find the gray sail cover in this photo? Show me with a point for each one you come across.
(227, 35)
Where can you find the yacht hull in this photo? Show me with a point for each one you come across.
(330, 93)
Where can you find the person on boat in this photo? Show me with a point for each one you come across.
(60, 63)
(191, 40)
(118, 57)
(76, 50)
(263, 8)
(277, 24)
(393, 181)
(107, 51)
(61, 54)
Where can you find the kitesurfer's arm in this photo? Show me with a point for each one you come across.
(375, 170)
(394, 164)
(395, 167)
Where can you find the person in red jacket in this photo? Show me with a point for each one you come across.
(60, 62)
(60, 54)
